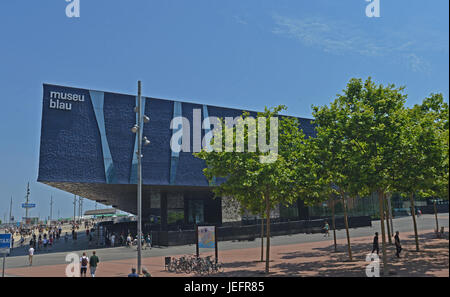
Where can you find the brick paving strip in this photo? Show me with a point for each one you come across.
(305, 259)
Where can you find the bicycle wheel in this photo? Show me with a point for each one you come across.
(206, 268)
(220, 268)
(196, 269)
(179, 267)
(172, 266)
(187, 268)
(199, 269)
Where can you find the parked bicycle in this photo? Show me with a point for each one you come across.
(198, 265)
(214, 266)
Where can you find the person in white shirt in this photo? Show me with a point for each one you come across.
(113, 238)
(30, 255)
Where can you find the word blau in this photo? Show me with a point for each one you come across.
(63, 101)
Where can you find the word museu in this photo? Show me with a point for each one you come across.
(56, 100)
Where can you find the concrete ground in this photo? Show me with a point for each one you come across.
(295, 255)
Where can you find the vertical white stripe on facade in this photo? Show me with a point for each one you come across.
(97, 99)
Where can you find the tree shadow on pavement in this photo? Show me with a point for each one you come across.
(240, 264)
(432, 258)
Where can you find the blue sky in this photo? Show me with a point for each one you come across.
(243, 54)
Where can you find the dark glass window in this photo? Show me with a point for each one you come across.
(196, 212)
(175, 208)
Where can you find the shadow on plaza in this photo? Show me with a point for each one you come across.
(432, 256)
(325, 262)
(248, 264)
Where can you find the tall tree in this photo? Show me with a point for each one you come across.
(319, 157)
(333, 156)
(374, 128)
(437, 110)
(362, 128)
(420, 160)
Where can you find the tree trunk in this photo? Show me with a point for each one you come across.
(390, 213)
(387, 219)
(413, 214)
(346, 227)
(262, 238)
(435, 215)
(333, 221)
(268, 232)
(383, 233)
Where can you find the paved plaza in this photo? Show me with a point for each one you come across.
(295, 255)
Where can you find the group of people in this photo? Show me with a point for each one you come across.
(398, 246)
(43, 241)
(54, 233)
(113, 240)
(91, 261)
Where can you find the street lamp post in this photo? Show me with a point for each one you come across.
(138, 129)
(74, 210)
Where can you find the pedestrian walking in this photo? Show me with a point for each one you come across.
(45, 242)
(149, 241)
(129, 240)
(398, 246)
(30, 255)
(326, 229)
(376, 246)
(84, 260)
(39, 242)
(93, 262)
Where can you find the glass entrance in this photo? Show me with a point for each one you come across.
(196, 212)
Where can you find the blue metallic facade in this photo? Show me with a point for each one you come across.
(87, 147)
(92, 142)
